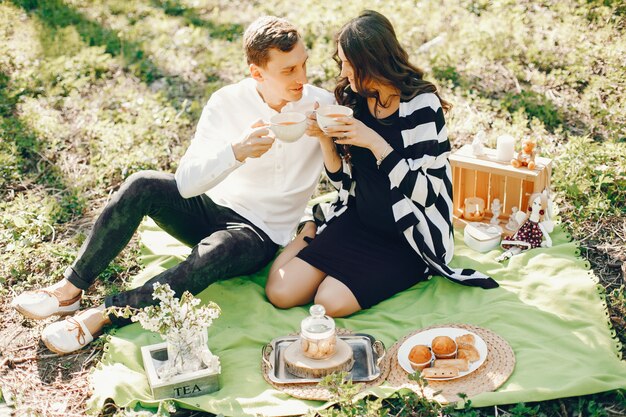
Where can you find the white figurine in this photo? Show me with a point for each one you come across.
(513, 224)
(478, 144)
(495, 210)
(548, 223)
(532, 232)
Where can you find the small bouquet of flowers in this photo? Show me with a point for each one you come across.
(183, 324)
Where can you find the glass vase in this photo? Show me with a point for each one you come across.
(184, 353)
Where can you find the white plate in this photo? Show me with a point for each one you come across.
(426, 337)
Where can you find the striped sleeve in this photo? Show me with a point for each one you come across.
(345, 185)
(421, 175)
(335, 177)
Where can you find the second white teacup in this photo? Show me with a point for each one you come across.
(327, 114)
(288, 126)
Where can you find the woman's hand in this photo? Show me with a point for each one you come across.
(355, 132)
(332, 161)
(312, 128)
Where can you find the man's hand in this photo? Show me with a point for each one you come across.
(254, 143)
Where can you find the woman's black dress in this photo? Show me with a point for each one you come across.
(363, 247)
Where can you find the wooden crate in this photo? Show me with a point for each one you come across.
(488, 178)
(190, 384)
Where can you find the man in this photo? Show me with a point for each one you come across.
(236, 196)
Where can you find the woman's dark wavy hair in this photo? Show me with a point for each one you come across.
(370, 44)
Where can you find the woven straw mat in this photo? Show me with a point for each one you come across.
(492, 374)
(312, 391)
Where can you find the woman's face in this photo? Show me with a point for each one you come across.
(346, 68)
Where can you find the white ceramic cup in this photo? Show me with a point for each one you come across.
(288, 126)
(327, 114)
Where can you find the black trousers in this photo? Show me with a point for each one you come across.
(224, 243)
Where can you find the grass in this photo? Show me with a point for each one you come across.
(92, 91)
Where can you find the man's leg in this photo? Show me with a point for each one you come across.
(148, 193)
(145, 193)
(239, 249)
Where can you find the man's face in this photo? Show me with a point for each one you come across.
(283, 77)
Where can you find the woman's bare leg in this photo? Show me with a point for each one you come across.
(293, 284)
(294, 247)
(336, 298)
(292, 281)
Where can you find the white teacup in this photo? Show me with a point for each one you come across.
(288, 126)
(327, 114)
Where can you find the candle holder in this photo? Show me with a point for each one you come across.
(474, 209)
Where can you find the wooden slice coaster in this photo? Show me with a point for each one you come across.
(299, 365)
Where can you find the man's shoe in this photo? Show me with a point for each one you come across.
(66, 336)
(41, 304)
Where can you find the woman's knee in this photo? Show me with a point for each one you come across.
(279, 295)
(293, 284)
(337, 299)
(333, 307)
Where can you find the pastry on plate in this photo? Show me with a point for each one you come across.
(468, 352)
(440, 372)
(443, 347)
(420, 357)
(420, 354)
(460, 364)
(465, 339)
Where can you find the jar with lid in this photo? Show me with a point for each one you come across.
(317, 334)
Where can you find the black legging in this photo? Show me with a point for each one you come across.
(224, 244)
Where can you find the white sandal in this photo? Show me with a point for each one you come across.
(66, 336)
(41, 304)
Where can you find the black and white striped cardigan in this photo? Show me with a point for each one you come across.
(421, 189)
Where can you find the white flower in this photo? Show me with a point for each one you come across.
(176, 318)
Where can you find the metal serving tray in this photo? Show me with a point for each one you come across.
(368, 355)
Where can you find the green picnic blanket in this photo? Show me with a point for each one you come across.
(548, 307)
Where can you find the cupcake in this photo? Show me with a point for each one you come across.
(420, 357)
(443, 347)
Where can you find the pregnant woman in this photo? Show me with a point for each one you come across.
(391, 225)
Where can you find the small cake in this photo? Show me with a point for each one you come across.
(420, 357)
(444, 347)
(420, 354)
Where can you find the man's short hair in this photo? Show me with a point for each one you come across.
(265, 33)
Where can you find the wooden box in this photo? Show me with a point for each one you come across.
(488, 178)
(190, 384)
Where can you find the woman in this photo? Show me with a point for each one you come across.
(391, 225)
